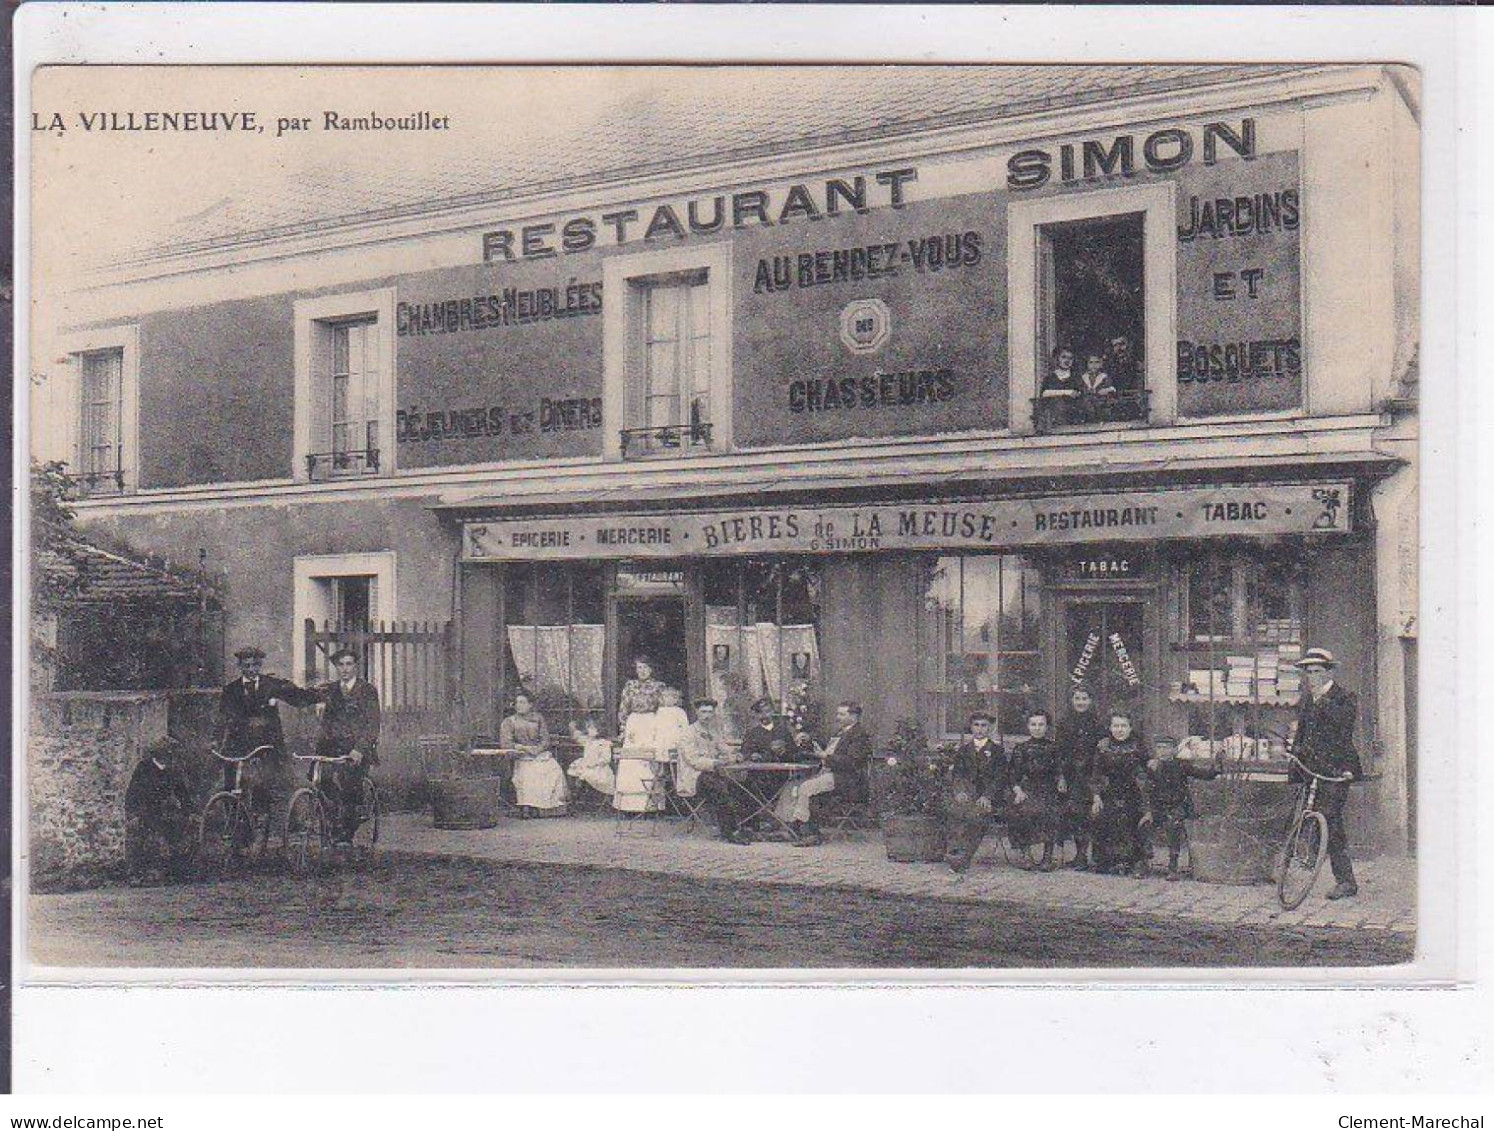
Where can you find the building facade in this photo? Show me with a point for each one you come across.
(938, 411)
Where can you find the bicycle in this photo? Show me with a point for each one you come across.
(1306, 846)
(310, 818)
(227, 834)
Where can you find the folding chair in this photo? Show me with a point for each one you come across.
(844, 816)
(690, 808)
(646, 787)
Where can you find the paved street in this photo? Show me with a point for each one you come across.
(573, 893)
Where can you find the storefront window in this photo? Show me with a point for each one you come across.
(1240, 631)
(763, 636)
(980, 630)
(556, 635)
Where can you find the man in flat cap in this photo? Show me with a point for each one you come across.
(349, 729)
(249, 718)
(1324, 741)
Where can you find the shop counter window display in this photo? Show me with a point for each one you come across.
(1237, 632)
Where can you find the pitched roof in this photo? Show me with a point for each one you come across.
(658, 120)
(112, 578)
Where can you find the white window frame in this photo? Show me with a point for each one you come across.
(311, 569)
(125, 340)
(1024, 218)
(621, 314)
(311, 316)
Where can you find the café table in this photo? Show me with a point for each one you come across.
(760, 782)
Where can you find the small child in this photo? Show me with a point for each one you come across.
(594, 767)
(1170, 802)
(1094, 380)
(670, 724)
(1119, 805)
(1037, 767)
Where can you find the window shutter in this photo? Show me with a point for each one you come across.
(1047, 300)
(321, 389)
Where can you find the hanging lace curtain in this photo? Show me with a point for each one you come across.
(587, 644)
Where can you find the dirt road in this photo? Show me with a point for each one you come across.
(406, 911)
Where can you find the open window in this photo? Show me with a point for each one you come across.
(1092, 290)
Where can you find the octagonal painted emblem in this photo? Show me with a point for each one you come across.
(865, 325)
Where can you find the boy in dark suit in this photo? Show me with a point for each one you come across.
(349, 729)
(1169, 802)
(974, 789)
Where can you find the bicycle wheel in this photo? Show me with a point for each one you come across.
(227, 834)
(307, 832)
(366, 835)
(1306, 849)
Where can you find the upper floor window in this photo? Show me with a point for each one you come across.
(1092, 287)
(668, 352)
(671, 398)
(344, 385)
(1091, 321)
(101, 433)
(102, 450)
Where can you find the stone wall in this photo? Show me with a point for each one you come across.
(81, 749)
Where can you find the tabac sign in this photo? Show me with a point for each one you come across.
(1193, 512)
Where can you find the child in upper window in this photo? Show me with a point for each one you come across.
(1095, 381)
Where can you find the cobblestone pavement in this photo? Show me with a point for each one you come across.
(1386, 900)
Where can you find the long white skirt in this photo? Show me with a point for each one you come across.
(539, 782)
(639, 786)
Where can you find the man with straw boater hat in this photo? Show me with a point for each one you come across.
(1324, 741)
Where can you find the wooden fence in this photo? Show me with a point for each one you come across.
(412, 663)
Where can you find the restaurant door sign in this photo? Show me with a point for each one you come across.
(1143, 516)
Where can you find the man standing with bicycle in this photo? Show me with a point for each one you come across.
(349, 729)
(1324, 741)
(248, 718)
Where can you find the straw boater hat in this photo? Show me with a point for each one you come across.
(1317, 658)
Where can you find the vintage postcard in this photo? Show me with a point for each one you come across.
(739, 518)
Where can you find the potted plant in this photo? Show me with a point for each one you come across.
(908, 787)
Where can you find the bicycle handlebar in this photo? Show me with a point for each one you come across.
(255, 753)
(1321, 777)
(321, 758)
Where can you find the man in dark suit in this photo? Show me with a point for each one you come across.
(978, 781)
(845, 757)
(248, 718)
(349, 729)
(1324, 741)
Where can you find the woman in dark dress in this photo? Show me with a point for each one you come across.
(1118, 789)
(1078, 736)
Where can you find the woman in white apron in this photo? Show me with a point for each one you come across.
(539, 782)
(639, 772)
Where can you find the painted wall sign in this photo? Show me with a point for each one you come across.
(1239, 345)
(1114, 565)
(661, 581)
(701, 216)
(1191, 512)
(1161, 151)
(865, 325)
(573, 414)
(510, 306)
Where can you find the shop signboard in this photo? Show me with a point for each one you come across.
(653, 582)
(1241, 510)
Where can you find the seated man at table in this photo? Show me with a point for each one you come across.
(845, 757)
(703, 752)
(769, 739)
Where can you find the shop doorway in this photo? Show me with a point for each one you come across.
(653, 627)
(1104, 646)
